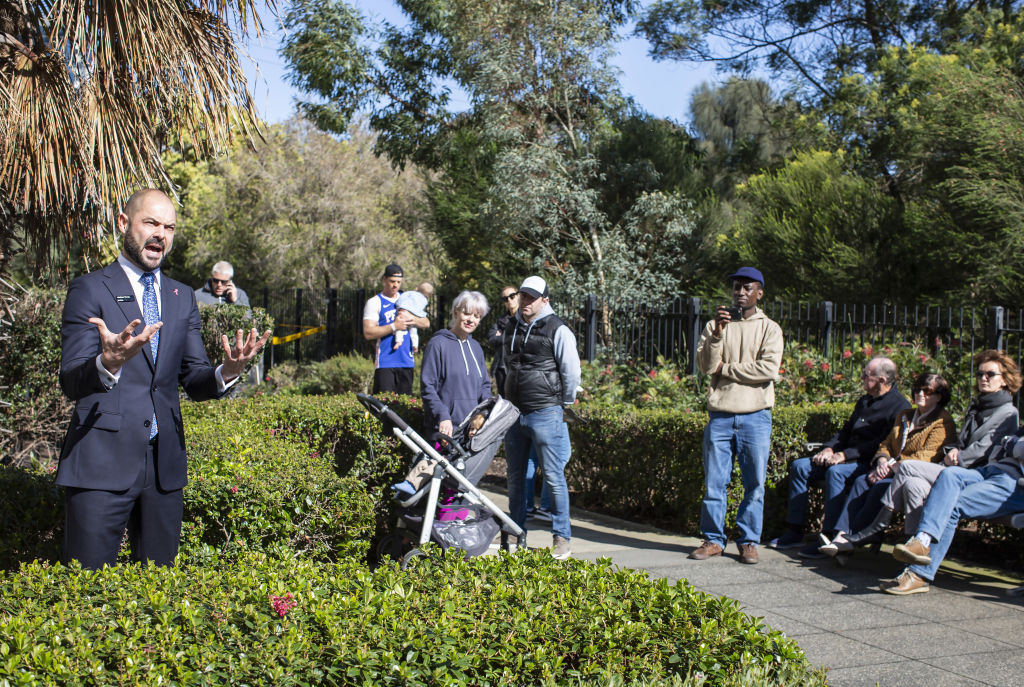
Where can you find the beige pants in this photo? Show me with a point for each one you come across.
(910, 488)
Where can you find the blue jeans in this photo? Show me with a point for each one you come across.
(528, 490)
(748, 436)
(545, 432)
(862, 504)
(837, 479)
(961, 493)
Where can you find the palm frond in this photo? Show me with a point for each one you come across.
(92, 91)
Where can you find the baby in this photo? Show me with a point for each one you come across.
(424, 469)
(416, 303)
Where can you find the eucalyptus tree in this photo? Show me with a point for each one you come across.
(542, 101)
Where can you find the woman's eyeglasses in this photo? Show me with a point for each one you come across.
(988, 374)
(509, 296)
(927, 391)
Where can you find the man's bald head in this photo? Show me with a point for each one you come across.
(139, 198)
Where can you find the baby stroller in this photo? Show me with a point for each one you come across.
(449, 509)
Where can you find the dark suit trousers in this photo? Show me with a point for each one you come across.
(95, 520)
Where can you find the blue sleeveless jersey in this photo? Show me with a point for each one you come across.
(386, 357)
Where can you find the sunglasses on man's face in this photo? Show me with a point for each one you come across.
(225, 282)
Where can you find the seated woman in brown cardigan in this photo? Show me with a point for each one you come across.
(919, 433)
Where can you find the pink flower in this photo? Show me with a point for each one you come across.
(315, 454)
(272, 432)
(652, 374)
(825, 367)
(888, 349)
(847, 354)
(809, 364)
(868, 350)
(234, 490)
(282, 604)
(635, 378)
(922, 357)
(782, 370)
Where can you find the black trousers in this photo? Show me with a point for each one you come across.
(95, 520)
(397, 379)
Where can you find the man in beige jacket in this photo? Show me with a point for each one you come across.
(742, 354)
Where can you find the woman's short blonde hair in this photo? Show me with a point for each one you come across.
(472, 302)
(1011, 373)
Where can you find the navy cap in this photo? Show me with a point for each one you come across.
(392, 271)
(748, 273)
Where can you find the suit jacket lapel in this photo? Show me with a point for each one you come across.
(118, 284)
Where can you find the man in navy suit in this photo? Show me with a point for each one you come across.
(130, 337)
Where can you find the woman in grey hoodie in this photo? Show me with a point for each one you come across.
(454, 378)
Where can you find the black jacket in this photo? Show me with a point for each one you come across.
(869, 424)
(534, 380)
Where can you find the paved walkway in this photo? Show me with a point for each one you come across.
(965, 631)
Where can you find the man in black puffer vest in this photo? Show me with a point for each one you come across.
(543, 368)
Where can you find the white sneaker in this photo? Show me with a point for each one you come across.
(560, 549)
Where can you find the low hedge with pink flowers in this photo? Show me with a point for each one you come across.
(521, 619)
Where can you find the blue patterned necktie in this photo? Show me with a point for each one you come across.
(151, 313)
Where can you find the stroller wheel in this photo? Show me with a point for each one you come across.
(391, 546)
(412, 558)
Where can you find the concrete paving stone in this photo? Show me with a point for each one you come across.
(939, 605)
(773, 594)
(900, 674)
(718, 572)
(836, 651)
(926, 640)
(1008, 629)
(840, 615)
(992, 668)
(789, 627)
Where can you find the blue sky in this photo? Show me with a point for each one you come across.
(661, 88)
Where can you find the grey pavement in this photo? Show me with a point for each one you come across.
(965, 631)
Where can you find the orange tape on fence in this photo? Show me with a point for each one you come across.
(292, 337)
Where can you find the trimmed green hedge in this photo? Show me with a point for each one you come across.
(503, 620)
(647, 464)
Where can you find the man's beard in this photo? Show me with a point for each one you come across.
(134, 252)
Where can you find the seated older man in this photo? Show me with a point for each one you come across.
(845, 456)
(977, 493)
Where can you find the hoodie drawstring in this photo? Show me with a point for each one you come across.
(466, 362)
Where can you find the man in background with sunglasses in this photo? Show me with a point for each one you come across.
(220, 288)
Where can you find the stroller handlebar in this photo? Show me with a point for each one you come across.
(381, 410)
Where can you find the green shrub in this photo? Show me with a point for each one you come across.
(343, 374)
(35, 421)
(31, 516)
(226, 320)
(647, 464)
(504, 620)
(253, 490)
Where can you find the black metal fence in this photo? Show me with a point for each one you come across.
(627, 328)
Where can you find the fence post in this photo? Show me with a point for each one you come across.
(590, 328)
(826, 318)
(995, 320)
(357, 320)
(692, 332)
(330, 341)
(268, 350)
(298, 325)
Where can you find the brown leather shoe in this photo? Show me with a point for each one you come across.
(909, 583)
(748, 553)
(706, 550)
(913, 552)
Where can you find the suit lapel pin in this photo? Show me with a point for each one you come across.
(175, 292)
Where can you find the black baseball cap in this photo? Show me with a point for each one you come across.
(393, 270)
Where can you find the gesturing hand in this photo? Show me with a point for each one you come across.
(236, 357)
(117, 349)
